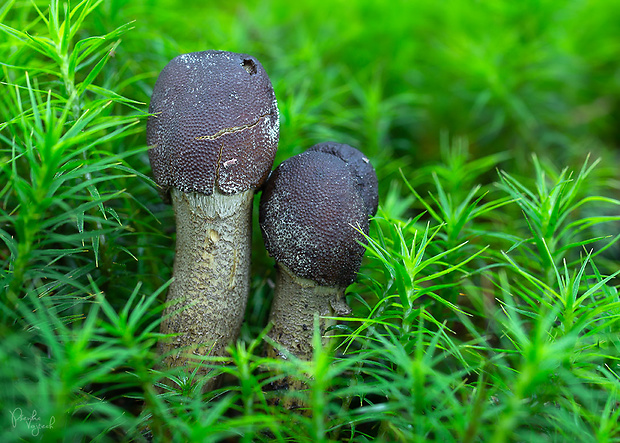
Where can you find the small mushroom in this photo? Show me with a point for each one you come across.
(313, 210)
(213, 135)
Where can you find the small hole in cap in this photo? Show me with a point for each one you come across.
(249, 66)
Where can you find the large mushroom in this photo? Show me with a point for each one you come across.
(213, 135)
(313, 210)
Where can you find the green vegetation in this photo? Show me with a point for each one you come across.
(487, 307)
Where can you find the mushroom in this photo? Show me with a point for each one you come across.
(213, 135)
(313, 210)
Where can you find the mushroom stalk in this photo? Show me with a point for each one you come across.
(211, 272)
(296, 301)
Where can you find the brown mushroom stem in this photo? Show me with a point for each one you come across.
(211, 271)
(296, 302)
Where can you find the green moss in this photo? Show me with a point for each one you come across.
(487, 305)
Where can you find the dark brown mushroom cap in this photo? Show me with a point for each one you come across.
(215, 123)
(309, 211)
(361, 169)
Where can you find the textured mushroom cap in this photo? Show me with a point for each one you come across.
(360, 168)
(309, 211)
(215, 123)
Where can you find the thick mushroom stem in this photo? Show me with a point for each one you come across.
(211, 271)
(296, 303)
(296, 300)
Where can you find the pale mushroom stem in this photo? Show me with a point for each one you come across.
(296, 301)
(211, 271)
